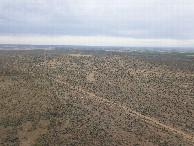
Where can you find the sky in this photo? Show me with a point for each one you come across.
(141, 23)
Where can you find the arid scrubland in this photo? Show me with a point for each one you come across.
(92, 97)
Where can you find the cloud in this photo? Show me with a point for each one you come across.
(139, 19)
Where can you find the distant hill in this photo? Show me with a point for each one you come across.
(31, 47)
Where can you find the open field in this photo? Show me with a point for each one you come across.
(92, 97)
(162, 52)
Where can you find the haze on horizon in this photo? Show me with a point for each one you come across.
(150, 23)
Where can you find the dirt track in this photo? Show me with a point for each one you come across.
(146, 119)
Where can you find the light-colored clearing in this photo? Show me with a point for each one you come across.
(90, 77)
(29, 137)
(80, 55)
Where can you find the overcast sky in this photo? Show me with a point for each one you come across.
(98, 22)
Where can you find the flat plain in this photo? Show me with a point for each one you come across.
(95, 97)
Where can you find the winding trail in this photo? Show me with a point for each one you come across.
(146, 119)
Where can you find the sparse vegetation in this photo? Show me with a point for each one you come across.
(92, 97)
